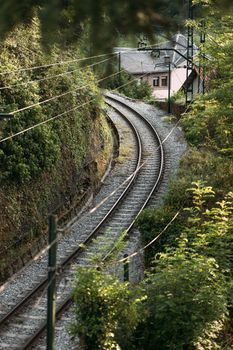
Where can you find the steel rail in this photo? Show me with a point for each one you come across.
(65, 304)
(79, 249)
(160, 148)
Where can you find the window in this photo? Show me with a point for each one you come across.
(164, 81)
(156, 81)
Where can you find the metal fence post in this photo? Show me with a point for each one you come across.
(51, 308)
(126, 268)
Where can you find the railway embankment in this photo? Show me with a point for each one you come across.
(64, 190)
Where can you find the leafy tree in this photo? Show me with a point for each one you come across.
(105, 18)
(210, 229)
(210, 121)
(193, 262)
(35, 152)
(186, 300)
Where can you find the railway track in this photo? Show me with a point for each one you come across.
(25, 321)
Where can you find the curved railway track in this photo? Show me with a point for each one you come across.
(129, 201)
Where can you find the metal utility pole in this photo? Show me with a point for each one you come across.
(169, 88)
(51, 308)
(167, 61)
(189, 69)
(119, 67)
(201, 58)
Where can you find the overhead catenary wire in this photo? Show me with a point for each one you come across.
(54, 76)
(56, 64)
(63, 94)
(119, 186)
(67, 62)
(61, 114)
(150, 242)
(54, 97)
(56, 116)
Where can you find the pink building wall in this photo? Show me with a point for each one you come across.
(178, 77)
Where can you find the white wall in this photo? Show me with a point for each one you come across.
(178, 77)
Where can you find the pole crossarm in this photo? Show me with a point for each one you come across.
(166, 49)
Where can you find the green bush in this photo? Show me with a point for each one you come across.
(105, 310)
(132, 88)
(38, 150)
(151, 222)
(30, 154)
(186, 298)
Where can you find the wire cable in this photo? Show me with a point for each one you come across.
(114, 191)
(61, 95)
(151, 242)
(68, 61)
(56, 116)
(54, 76)
(54, 97)
(55, 64)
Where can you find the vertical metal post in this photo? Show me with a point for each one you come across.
(126, 268)
(189, 70)
(51, 306)
(119, 67)
(169, 89)
(202, 41)
(167, 62)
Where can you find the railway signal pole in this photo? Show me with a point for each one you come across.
(189, 69)
(202, 57)
(51, 308)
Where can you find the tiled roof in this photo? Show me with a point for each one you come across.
(137, 62)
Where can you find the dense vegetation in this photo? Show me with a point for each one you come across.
(187, 294)
(66, 19)
(129, 86)
(184, 303)
(45, 168)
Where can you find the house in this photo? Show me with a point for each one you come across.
(145, 65)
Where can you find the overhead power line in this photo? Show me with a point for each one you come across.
(63, 62)
(58, 115)
(66, 62)
(54, 76)
(55, 64)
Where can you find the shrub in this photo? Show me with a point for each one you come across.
(132, 88)
(151, 222)
(105, 310)
(186, 297)
(35, 152)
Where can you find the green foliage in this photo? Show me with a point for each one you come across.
(210, 229)
(105, 310)
(151, 222)
(186, 297)
(40, 149)
(178, 97)
(62, 20)
(202, 164)
(32, 153)
(131, 87)
(188, 290)
(210, 121)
